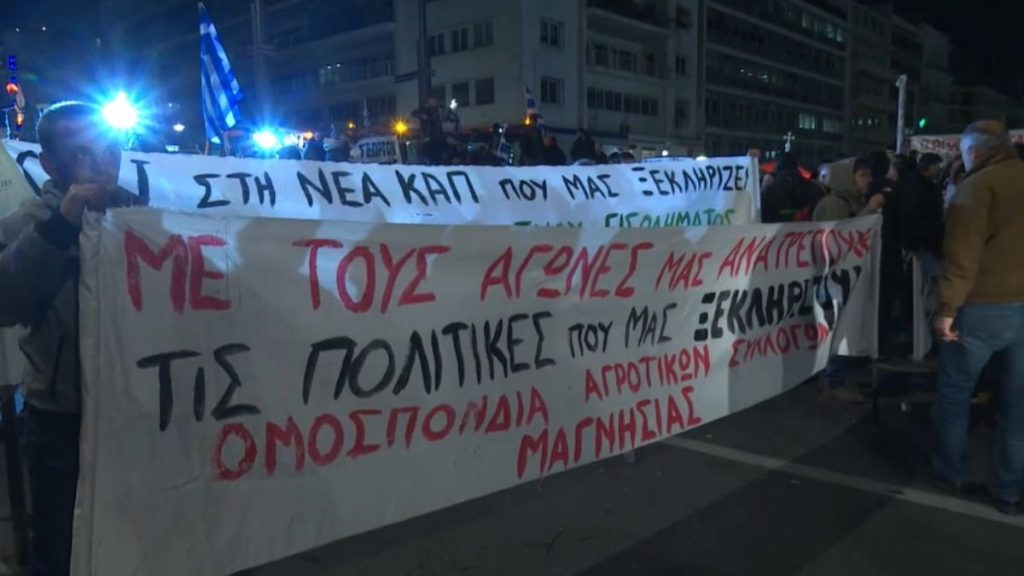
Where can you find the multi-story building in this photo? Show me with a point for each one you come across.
(50, 55)
(936, 83)
(776, 68)
(908, 59)
(872, 104)
(627, 70)
(977, 103)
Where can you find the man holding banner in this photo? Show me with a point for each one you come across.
(981, 312)
(38, 290)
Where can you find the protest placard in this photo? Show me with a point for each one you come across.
(683, 193)
(257, 387)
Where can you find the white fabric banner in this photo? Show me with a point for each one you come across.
(258, 387)
(684, 193)
(13, 191)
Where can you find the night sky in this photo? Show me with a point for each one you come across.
(987, 38)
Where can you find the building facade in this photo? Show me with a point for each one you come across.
(775, 68)
(872, 122)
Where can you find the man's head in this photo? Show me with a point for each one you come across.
(754, 153)
(433, 102)
(862, 175)
(76, 147)
(788, 162)
(550, 140)
(982, 139)
(930, 166)
(879, 164)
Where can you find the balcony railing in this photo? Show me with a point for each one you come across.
(646, 11)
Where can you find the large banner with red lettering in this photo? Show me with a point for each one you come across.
(258, 387)
(677, 194)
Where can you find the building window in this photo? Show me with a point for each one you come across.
(551, 33)
(625, 60)
(832, 126)
(460, 40)
(682, 116)
(435, 44)
(483, 34)
(460, 92)
(610, 100)
(601, 56)
(485, 91)
(807, 122)
(684, 18)
(551, 90)
(681, 65)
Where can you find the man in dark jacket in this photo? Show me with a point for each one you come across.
(552, 154)
(584, 148)
(38, 290)
(921, 207)
(432, 142)
(790, 196)
(981, 312)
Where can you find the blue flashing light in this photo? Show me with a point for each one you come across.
(266, 140)
(120, 113)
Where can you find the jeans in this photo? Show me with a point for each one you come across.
(51, 449)
(985, 331)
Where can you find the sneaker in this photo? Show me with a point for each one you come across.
(844, 394)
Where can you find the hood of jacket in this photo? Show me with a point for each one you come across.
(840, 180)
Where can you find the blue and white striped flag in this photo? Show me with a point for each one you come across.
(221, 92)
(504, 150)
(531, 107)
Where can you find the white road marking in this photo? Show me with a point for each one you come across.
(921, 497)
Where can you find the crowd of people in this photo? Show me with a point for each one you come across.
(960, 219)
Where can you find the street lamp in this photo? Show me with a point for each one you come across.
(178, 127)
(401, 128)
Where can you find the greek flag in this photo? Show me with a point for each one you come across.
(531, 107)
(221, 92)
(504, 150)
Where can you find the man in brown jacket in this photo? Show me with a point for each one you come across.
(981, 311)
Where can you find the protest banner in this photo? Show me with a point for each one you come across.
(948, 145)
(13, 191)
(377, 149)
(254, 388)
(713, 192)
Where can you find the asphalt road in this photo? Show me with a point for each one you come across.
(796, 485)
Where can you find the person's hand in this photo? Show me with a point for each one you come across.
(875, 203)
(95, 197)
(943, 327)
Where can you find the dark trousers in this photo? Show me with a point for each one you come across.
(985, 331)
(51, 450)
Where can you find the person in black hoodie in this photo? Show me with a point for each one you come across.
(584, 148)
(552, 153)
(893, 339)
(790, 197)
(921, 208)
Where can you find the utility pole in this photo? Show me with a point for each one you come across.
(423, 54)
(901, 119)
